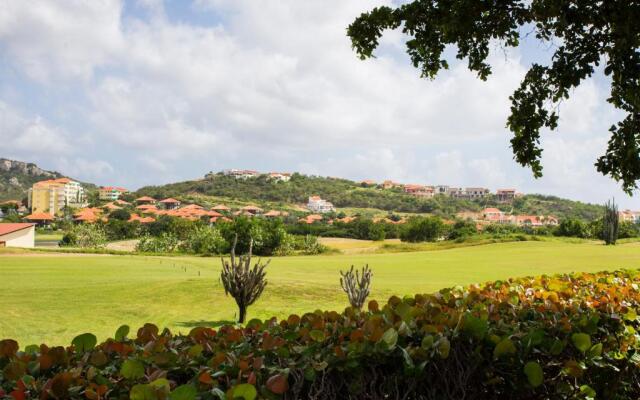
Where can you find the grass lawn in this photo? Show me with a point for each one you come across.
(50, 298)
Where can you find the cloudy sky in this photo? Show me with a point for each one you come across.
(145, 92)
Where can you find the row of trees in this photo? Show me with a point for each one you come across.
(169, 234)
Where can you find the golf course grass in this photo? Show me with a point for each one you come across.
(49, 297)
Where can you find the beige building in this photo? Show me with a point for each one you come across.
(53, 195)
(17, 235)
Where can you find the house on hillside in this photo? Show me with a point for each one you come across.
(629, 216)
(473, 193)
(390, 184)
(17, 235)
(170, 203)
(317, 204)
(495, 216)
(279, 176)
(111, 193)
(253, 210)
(506, 195)
(145, 200)
(241, 173)
(419, 190)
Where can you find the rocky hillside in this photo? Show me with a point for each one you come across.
(16, 177)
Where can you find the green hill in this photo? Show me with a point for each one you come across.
(344, 193)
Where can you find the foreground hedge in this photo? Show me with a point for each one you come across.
(560, 337)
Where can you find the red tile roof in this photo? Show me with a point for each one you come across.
(113, 188)
(40, 216)
(170, 200)
(10, 228)
(221, 207)
(145, 198)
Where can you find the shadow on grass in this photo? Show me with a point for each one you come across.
(208, 324)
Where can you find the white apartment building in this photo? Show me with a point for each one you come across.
(317, 204)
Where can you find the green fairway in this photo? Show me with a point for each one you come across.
(52, 297)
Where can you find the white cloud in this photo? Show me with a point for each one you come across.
(273, 85)
(30, 135)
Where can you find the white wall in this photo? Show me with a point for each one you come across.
(22, 238)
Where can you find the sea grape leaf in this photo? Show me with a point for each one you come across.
(184, 392)
(582, 341)
(534, 373)
(132, 369)
(245, 391)
(84, 342)
(504, 347)
(390, 338)
(122, 333)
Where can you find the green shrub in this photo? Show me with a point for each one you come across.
(204, 240)
(165, 243)
(85, 236)
(551, 337)
(422, 229)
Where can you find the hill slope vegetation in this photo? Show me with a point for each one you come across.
(344, 193)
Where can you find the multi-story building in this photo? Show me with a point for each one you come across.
(476, 193)
(317, 204)
(441, 189)
(111, 193)
(506, 195)
(52, 196)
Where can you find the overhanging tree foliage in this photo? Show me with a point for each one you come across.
(586, 32)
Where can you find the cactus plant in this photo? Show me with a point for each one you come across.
(356, 285)
(243, 282)
(610, 223)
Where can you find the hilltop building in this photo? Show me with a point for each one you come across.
(52, 196)
(317, 204)
(241, 173)
(506, 195)
(280, 176)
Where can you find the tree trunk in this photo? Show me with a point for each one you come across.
(243, 314)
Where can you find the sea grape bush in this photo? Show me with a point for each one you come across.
(561, 337)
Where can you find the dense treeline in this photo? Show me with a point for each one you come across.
(345, 193)
(169, 234)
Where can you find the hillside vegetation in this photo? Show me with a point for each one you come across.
(344, 193)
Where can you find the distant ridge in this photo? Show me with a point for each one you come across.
(16, 177)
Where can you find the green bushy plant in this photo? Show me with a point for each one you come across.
(422, 229)
(549, 337)
(85, 236)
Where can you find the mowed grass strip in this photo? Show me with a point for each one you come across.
(52, 297)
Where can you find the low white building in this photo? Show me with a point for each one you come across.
(317, 204)
(241, 173)
(280, 176)
(17, 235)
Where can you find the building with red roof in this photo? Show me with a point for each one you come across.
(17, 235)
(170, 203)
(111, 193)
(145, 200)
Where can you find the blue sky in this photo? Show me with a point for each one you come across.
(147, 92)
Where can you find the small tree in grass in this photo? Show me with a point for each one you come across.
(356, 285)
(242, 281)
(610, 223)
